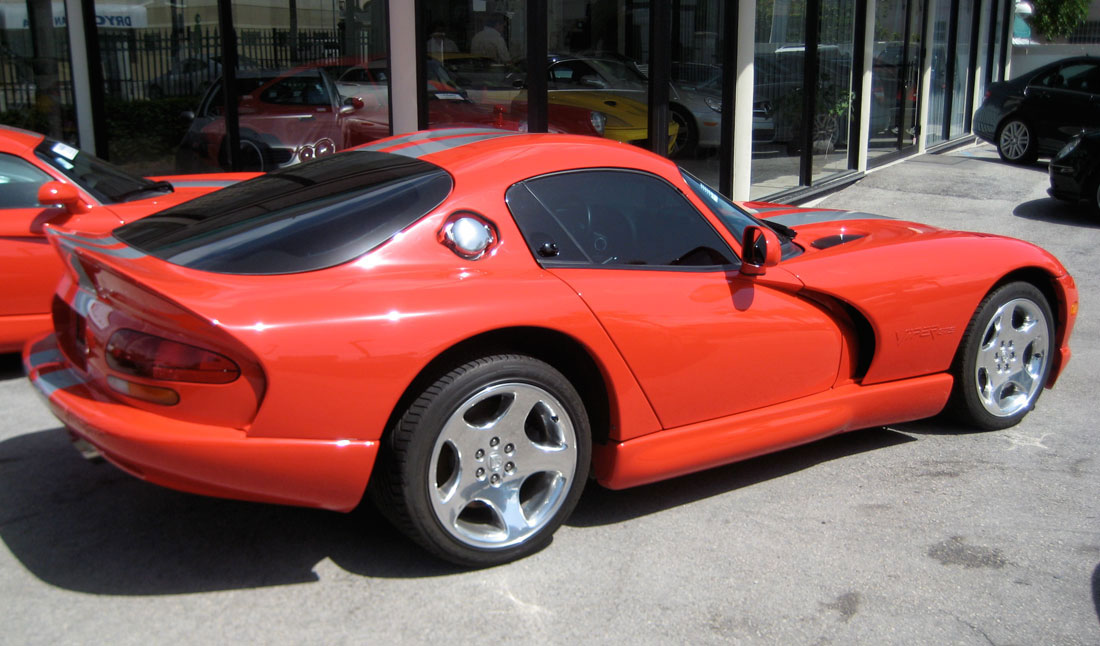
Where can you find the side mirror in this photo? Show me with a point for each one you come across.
(760, 249)
(187, 116)
(63, 194)
(351, 104)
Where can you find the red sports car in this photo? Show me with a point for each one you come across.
(43, 181)
(466, 324)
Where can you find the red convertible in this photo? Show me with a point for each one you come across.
(465, 325)
(43, 181)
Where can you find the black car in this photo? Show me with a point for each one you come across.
(1038, 112)
(1075, 170)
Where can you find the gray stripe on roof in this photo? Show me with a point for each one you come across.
(433, 134)
(429, 147)
(811, 217)
(204, 183)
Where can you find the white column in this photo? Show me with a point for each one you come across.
(864, 79)
(742, 116)
(82, 84)
(402, 39)
(984, 30)
(926, 73)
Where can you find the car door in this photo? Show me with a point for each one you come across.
(703, 341)
(1063, 101)
(29, 266)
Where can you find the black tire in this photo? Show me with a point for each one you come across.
(1004, 358)
(687, 137)
(254, 156)
(498, 439)
(1017, 142)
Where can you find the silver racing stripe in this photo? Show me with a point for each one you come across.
(69, 242)
(195, 183)
(83, 302)
(812, 217)
(433, 134)
(437, 145)
(52, 382)
(53, 355)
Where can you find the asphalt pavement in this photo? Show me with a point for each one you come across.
(920, 533)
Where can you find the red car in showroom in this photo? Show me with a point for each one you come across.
(44, 181)
(465, 325)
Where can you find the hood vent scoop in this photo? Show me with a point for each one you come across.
(834, 240)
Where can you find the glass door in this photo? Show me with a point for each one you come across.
(895, 77)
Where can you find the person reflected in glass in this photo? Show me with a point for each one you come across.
(489, 42)
(439, 44)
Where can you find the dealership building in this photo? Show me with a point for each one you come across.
(763, 99)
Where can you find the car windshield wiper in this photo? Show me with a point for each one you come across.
(781, 229)
(151, 186)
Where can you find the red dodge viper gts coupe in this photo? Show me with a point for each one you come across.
(44, 181)
(465, 325)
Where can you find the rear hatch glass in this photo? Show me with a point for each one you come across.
(303, 218)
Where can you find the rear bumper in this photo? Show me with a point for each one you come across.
(198, 458)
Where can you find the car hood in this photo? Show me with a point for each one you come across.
(887, 270)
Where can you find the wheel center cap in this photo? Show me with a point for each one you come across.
(496, 462)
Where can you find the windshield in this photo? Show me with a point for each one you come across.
(108, 184)
(306, 217)
(735, 219)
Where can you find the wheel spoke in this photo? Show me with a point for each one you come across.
(505, 503)
(532, 458)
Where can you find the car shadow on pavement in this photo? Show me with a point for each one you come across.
(11, 366)
(600, 506)
(92, 528)
(1058, 212)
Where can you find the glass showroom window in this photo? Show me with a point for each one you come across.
(895, 76)
(165, 59)
(832, 115)
(695, 92)
(475, 66)
(35, 74)
(777, 96)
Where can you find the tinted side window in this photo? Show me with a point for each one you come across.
(613, 218)
(19, 182)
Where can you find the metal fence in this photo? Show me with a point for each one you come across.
(153, 63)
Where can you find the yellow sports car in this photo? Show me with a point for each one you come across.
(619, 117)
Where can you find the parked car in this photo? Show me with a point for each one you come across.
(449, 104)
(285, 116)
(696, 106)
(465, 324)
(48, 182)
(1075, 170)
(191, 75)
(618, 108)
(1036, 113)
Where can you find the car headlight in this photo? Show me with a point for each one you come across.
(713, 103)
(599, 120)
(1068, 148)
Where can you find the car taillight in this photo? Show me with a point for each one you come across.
(144, 355)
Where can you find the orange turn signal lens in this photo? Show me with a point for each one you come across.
(153, 394)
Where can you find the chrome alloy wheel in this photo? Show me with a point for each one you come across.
(502, 465)
(1015, 140)
(1012, 358)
